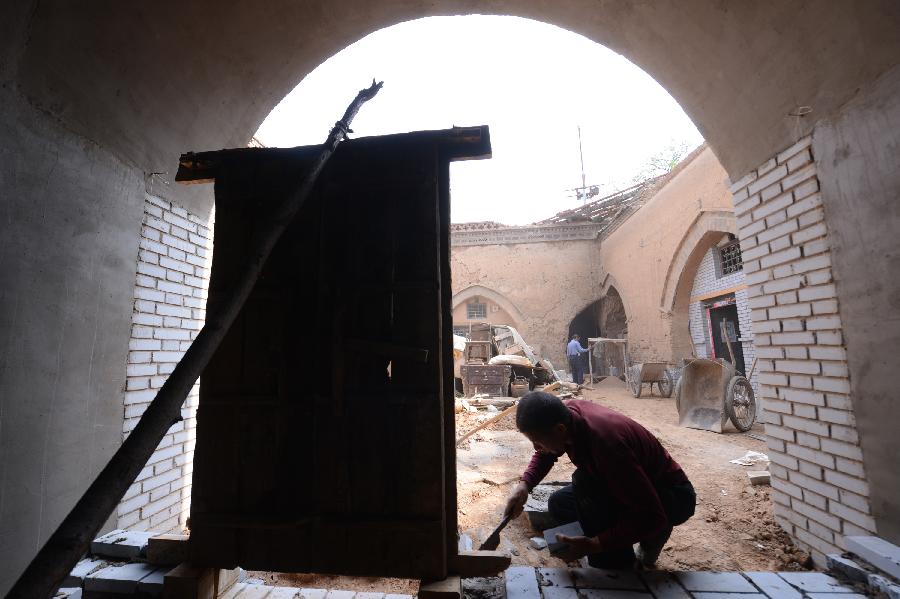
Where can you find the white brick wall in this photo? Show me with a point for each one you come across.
(818, 478)
(169, 309)
(706, 282)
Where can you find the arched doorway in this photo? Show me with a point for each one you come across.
(604, 317)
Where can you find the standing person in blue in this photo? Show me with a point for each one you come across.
(573, 353)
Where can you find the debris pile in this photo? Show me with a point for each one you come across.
(497, 362)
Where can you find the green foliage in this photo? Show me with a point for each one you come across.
(662, 162)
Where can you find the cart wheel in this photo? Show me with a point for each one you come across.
(635, 385)
(666, 386)
(740, 403)
(678, 397)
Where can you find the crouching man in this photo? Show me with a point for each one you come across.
(627, 489)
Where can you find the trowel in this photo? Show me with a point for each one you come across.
(493, 541)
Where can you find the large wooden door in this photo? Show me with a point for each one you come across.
(323, 418)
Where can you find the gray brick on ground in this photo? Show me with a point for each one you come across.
(715, 582)
(880, 553)
(663, 585)
(398, 597)
(340, 595)
(773, 585)
(613, 594)
(555, 577)
(559, 593)
(814, 582)
(717, 595)
(847, 567)
(233, 591)
(255, 591)
(835, 595)
(283, 593)
(312, 594)
(118, 579)
(522, 583)
(123, 544)
(363, 596)
(68, 593)
(595, 578)
(879, 583)
(82, 569)
(152, 584)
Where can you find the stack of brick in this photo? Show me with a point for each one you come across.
(820, 489)
(169, 310)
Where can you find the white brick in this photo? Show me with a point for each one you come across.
(790, 311)
(798, 366)
(804, 143)
(133, 503)
(767, 179)
(858, 518)
(801, 396)
(833, 385)
(793, 339)
(806, 425)
(810, 455)
(855, 485)
(817, 486)
(836, 416)
(797, 177)
(852, 500)
(157, 481)
(155, 507)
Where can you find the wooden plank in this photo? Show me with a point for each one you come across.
(468, 564)
(167, 549)
(448, 588)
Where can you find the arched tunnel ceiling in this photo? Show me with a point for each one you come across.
(149, 80)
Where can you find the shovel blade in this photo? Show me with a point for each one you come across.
(491, 543)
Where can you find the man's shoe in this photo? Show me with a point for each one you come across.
(649, 550)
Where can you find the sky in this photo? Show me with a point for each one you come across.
(534, 84)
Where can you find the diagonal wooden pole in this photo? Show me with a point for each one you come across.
(70, 541)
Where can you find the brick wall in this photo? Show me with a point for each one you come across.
(169, 309)
(819, 483)
(707, 281)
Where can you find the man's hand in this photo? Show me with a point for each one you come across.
(577, 548)
(516, 501)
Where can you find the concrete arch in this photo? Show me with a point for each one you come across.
(196, 79)
(494, 296)
(706, 230)
(608, 284)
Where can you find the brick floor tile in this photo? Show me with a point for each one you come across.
(715, 582)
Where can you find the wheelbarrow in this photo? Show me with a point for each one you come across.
(637, 375)
(710, 393)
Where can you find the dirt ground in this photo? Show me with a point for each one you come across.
(733, 528)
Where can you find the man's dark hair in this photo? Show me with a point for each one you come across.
(538, 412)
(576, 336)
